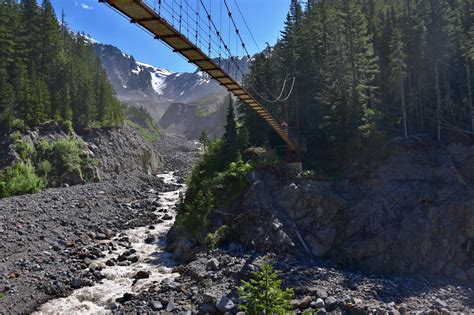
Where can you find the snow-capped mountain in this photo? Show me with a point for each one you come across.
(155, 88)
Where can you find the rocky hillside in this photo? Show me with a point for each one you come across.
(113, 150)
(411, 213)
(155, 88)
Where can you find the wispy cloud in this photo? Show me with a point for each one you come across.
(86, 7)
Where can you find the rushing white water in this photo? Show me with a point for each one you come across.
(152, 258)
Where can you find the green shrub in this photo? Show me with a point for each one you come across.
(44, 169)
(2, 295)
(196, 211)
(263, 293)
(213, 240)
(25, 150)
(19, 179)
(217, 178)
(17, 125)
(231, 183)
(64, 154)
(67, 124)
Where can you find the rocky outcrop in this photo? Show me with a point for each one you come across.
(413, 213)
(121, 151)
(114, 151)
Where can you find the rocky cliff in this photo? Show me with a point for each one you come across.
(114, 150)
(411, 213)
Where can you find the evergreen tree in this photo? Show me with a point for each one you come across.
(263, 293)
(398, 73)
(231, 145)
(48, 73)
(366, 67)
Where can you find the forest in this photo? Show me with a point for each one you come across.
(368, 70)
(48, 73)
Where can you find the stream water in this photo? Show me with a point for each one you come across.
(119, 280)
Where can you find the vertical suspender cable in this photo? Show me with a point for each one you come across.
(209, 25)
(197, 21)
(218, 34)
(180, 14)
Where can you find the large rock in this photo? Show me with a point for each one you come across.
(224, 304)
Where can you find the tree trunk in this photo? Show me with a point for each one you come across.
(438, 100)
(469, 92)
(404, 111)
(420, 102)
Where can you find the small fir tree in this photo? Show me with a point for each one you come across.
(263, 293)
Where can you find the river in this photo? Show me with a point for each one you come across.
(119, 279)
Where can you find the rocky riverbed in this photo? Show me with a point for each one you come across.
(207, 285)
(52, 243)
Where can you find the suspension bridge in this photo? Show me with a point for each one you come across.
(192, 31)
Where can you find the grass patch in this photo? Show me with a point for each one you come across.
(138, 118)
(214, 239)
(149, 135)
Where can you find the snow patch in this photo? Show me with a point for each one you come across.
(158, 83)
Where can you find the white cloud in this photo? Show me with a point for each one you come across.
(86, 7)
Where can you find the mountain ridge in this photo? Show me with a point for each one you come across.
(155, 88)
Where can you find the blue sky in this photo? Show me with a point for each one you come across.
(265, 17)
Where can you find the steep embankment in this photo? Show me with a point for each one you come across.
(412, 213)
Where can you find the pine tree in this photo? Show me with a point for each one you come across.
(398, 73)
(48, 73)
(263, 293)
(231, 145)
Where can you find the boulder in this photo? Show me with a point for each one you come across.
(225, 304)
(212, 264)
(208, 297)
(141, 275)
(286, 197)
(316, 248)
(156, 305)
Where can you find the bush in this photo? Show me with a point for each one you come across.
(64, 154)
(196, 211)
(213, 240)
(19, 179)
(217, 178)
(25, 150)
(263, 293)
(67, 124)
(44, 169)
(231, 183)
